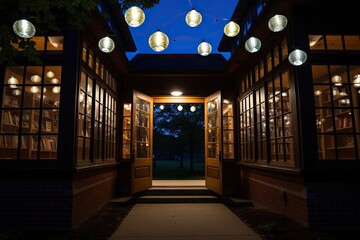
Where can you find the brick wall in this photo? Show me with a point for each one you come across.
(92, 190)
(281, 196)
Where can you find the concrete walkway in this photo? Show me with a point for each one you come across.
(183, 221)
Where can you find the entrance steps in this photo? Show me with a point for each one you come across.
(186, 194)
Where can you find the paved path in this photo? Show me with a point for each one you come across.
(183, 221)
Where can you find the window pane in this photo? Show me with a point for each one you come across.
(316, 42)
(55, 43)
(352, 42)
(334, 42)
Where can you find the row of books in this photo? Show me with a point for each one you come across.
(11, 141)
(46, 143)
(14, 119)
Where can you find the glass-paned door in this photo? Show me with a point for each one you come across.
(142, 142)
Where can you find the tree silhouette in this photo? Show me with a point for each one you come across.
(48, 16)
(179, 133)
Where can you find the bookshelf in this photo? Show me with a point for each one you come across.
(334, 122)
(126, 141)
(228, 130)
(30, 114)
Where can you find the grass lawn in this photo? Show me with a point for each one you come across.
(170, 170)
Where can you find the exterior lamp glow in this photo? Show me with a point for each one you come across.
(134, 16)
(24, 28)
(336, 80)
(231, 29)
(297, 57)
(277, 23)
(193, 108)
(161, 107)
(158, 41)
(193, 18)
(356, 81)
(204, 49)
(106, 44)
(180, 108)
(253, 44)
(176, 93)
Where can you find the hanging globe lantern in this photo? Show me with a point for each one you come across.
(134, 16)
(204, 49)
(106, 45)
(277, 23)
(192, 108)
(158, 41)
(297, 57)
(180, 108)
(253, 44)
(24, 28)
(193, 18)
(231, 29)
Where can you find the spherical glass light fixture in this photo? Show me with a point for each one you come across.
(24, 28)
(12, 81)
(34, 89)
(134, 16)
(253, 44)
(193, 18)
(50, 74)
(16, 92)
(35, 78)
(158, 41)
(54, 81)
(231, 29)
(336, 79)
(106, 44)
(204, 48)
(56, 89)
(277, 23)
(180, 108)
(162, 107)
(192, 108)
(356, 81)
(297, 57)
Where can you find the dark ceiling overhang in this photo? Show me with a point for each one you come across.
(178, 62)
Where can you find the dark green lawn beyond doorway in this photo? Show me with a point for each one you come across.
(170, 170)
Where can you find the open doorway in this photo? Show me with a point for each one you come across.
(178, 137)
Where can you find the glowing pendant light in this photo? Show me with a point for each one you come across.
(356, 81)
(231, 29)
(35, 78)
(158, 41)
(193, 18)
(336, 79)
(24, 28)
(204, 48)
(106, 45)
(297, 57)
(12, 81)
(277, 23)
(253, 44)
(134, 16)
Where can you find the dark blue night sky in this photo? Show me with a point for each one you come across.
(169, 17)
